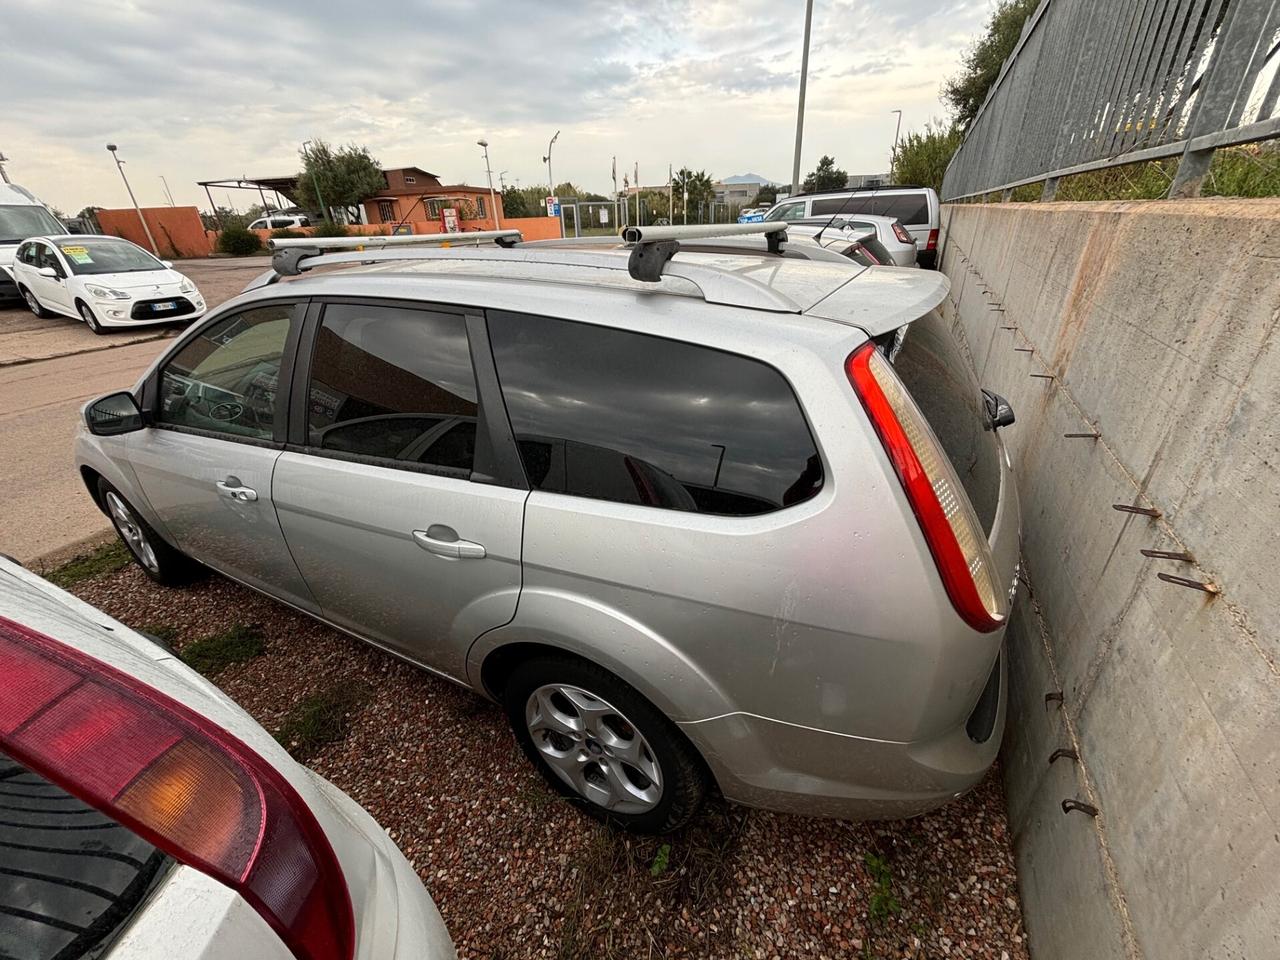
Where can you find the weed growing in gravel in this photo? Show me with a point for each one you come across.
(211, 655)
(661, 860)
(320, 719)
(106, 559)
(883, 903)
(161, 631)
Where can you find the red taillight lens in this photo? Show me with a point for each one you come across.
(179, 781)
(933, 240)
(869, 255)
(900, 232)
(960, 551)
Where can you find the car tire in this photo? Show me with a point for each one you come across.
(34, 305)
(159, 561)
(600, 743)
(86, 314)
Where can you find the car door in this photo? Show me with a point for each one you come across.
(218, 427)
(401, 494)
(51, 291)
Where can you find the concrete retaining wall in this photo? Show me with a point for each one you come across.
(1158, 323)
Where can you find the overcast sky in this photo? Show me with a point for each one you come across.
(219, 90)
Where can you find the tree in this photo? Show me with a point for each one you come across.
(923, 157)
(766, 196)
(826, 177)
(222, 218)
(695, 191)
(981, 66)
(346, 176)
(514, 203)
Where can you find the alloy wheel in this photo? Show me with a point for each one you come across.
(86, 314)
(131, 532)
(32, 302)
(593, 748)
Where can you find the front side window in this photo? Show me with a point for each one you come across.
(788, 211)
(45, 257)
(631, 418)
(93, 255)
(394, 384)
(225, 380)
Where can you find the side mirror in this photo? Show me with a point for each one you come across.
(114, 414)
(168, 264)
(48, 272)
(999, 412)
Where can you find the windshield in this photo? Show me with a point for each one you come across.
(788, 211)
(19, 222)
(90, 256)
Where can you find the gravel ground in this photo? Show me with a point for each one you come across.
(518, 873)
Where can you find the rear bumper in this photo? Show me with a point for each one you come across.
(792, 769)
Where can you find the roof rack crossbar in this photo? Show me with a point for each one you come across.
(714, 284)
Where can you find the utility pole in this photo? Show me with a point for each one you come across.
(145, 229)
(488, 172)
(804, 75)
(617, 215)
(315, 181)
(637, 172)
(671, 211)
(166, 190)
(502, 183)
(684, 177)
(4, 176)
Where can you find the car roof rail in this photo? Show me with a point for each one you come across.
(648, 259)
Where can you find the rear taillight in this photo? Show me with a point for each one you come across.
(177, 780)
(900, 232)
(951, 528)
(869, 255)
(932, 243)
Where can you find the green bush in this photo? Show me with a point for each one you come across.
(328, 228)
(284, 233)
(239, 241)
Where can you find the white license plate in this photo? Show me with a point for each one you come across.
(167, 305)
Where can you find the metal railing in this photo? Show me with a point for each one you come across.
(1093, 84)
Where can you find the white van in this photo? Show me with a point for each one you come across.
(21, 216)
(916, 207)
(280, 221)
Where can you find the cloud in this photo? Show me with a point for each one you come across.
(234, 88)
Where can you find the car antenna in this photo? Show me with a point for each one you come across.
(852, 194)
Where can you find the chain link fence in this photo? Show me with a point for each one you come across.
(1094, 84)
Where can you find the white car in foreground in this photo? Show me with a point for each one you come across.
(104, 281)
(148, 816)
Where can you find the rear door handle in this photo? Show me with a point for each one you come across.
(443, 542)
(231, 487)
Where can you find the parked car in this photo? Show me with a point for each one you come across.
(105, 281)
(917, 208)
(146, 815)
(859, 244)
(712, 518)
(21, 216)
(280, 221)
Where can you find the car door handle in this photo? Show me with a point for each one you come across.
(231, 487)
(443, 542)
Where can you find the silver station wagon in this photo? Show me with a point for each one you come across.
(730, 517)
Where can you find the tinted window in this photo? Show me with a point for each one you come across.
(225, 379)
(788, 211)
(393, 383)
(622, 416)
(70, 878)
(832, 205)
(910, 208)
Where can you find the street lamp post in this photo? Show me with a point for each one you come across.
(551, 189)
(895, 134)
(315, 181)
(167, 192)
(145, 229)
(804, 75)
(488, 172)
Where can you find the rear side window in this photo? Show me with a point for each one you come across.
(395, 384)
(631, 418)
(910, 208)
(824, 208)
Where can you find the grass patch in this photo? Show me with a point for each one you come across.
(319, 719)
(211, 655)
(106, 559)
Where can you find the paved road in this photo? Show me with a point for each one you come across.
(48, 369)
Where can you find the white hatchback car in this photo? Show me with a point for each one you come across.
(104, 281)
(145, 815)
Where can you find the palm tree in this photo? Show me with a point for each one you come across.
(695, 190)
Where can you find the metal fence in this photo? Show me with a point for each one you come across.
(1099, 83)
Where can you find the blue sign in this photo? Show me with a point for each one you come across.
(754, 218)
